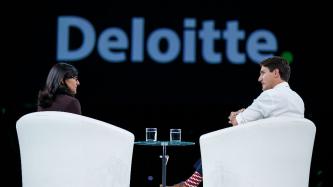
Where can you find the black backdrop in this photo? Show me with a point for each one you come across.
(195, 97)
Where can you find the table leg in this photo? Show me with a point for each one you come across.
(164, 165)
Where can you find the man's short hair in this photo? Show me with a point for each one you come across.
(279, 63)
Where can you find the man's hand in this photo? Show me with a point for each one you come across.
(232, 117)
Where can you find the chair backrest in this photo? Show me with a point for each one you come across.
(60, 149)
(272, 152)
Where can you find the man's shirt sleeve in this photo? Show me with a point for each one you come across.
(259, 109)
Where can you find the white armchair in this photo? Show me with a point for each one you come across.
(60, 149)
(273, 152)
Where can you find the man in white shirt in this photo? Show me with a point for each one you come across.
(277, 99)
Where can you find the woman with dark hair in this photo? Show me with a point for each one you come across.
(60, 89)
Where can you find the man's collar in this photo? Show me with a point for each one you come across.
(282, 84)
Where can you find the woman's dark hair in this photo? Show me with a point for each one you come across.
(55, 83)
(279, 63)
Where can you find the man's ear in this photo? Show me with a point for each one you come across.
(276, 73)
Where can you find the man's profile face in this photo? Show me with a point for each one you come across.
(267, 78)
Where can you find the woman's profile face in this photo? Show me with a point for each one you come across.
(72, 84)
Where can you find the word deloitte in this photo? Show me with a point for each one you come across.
(115, 46)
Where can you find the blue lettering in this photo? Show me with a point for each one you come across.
(88, 42)
(137, 40)
(189, 41)
(208, 35)
(110, 44)
(232, 35)
(154, 42)
(113, 44)
(261, 41)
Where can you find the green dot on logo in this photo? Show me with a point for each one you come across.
(288, 56)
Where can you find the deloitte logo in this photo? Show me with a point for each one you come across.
(115, 45)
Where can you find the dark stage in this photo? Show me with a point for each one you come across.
(177, 64)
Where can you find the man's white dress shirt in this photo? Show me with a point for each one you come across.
(278, 101)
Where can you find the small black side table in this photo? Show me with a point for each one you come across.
(164, 145)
